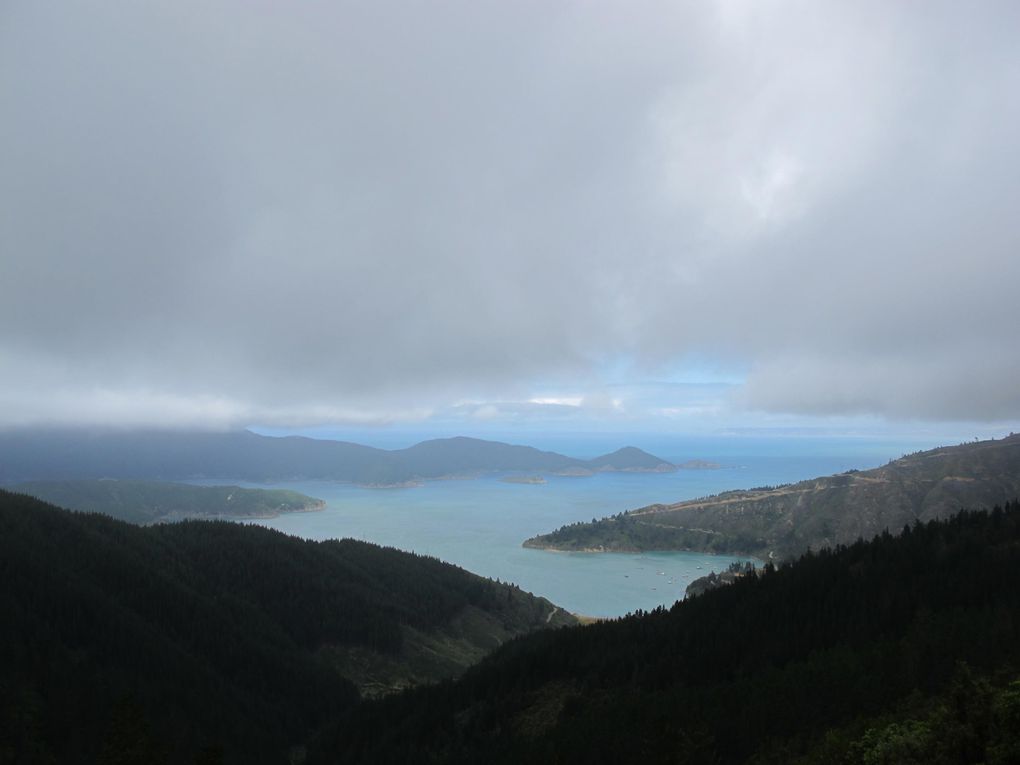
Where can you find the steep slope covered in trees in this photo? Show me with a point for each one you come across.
(829, 659)
(176, 637)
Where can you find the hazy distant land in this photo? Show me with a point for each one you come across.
(525, 479)
(146, 502)
(699, 465)
(36, 455)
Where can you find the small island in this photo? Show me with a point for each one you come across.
(699, 465)
(528, 479)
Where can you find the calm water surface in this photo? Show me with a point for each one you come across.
(479, 524)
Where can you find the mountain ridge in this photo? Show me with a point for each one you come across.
(242, 455)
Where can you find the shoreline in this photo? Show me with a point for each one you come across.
(317, 507)
(639, 551)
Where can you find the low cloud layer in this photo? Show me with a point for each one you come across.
(225, 213)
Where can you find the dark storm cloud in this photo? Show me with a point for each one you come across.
(236, 212)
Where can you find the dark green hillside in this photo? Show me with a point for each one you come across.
(786, 520)
(154, 501)
(852, 655)
(213, 633)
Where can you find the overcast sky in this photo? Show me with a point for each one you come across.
(327, 213)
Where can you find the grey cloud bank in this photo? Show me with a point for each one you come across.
(224, 213)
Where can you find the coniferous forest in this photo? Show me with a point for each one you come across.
(208, 642)
(901, 649)
(129, 644)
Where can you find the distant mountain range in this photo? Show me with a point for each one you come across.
(169, 455)
(785, 521)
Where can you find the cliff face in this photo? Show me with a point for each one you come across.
(837, 509)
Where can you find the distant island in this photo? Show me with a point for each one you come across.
(699, 465)
(785, 521)
(42, 455)
(528, 479)
(147, 502)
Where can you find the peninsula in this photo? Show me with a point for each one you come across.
(784, 521)
(148, 502)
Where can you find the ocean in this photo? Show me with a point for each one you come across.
(479, 523)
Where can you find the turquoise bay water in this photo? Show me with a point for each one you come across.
(479, 524)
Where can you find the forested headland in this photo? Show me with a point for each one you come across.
(145, 502)
(784, 521)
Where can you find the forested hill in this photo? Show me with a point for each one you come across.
(786, 520)
(147, 502)
(899, 650)
(159, 642)
(33, 455)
